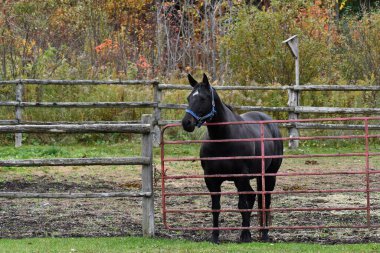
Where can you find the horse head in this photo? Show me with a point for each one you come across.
(201, 104)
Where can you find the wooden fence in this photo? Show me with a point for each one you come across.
(145, 128)
(158, 104)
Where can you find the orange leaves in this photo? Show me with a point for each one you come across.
(142, 63)
(107, 45)
(108, 54)
(314, 19)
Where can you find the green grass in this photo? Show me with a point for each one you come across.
(133, 244)
(133, 148)
(73, 151)
(121, 149)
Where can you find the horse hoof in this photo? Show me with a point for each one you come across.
(245, 236)
(215, 239)
(265, 237)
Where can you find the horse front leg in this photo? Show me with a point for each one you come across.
(246, 202)
(214, 186)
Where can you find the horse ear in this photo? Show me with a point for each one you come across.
(205, 79)
(192, 81)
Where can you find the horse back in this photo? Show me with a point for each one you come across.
(272, 127)
(278, 148)
(244, 148)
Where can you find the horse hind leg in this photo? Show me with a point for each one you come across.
(246, 202)
(270, 182)
(214, 186)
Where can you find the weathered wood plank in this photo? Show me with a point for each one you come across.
(81, 82)
(252, 88)
(337, 88)
(71, 195)
(294, 101)
(172, 106)
(157, 97)
(83, 128)
(262, 108)
(297, 109)
(237, 87)
(166, 122)
(26, 122)
(174, 87)
(76, 161)
(332, 126)
(9, 103)
(235, 107)
(279, 88)
(147, 180)
(18, 113)
(311, 109)
(8, 122)
(301, 125)
(3, 82)
(80, 104)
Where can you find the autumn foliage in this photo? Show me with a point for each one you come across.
(149, 39)
(237, 42)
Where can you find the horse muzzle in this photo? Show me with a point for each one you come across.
(188, 123)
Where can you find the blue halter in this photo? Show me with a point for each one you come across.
(201, 120)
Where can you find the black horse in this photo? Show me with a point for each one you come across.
(206, 106)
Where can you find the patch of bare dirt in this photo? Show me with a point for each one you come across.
(21, 218)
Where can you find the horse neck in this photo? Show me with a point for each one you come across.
(224, 114)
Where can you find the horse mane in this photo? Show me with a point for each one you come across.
(229, 107)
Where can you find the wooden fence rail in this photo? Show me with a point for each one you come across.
(76, 161)
(145, 160)
(81, 128)
(76, 195)
(293, 108)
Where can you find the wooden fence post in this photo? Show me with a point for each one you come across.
(294, 94)
(157, 97)
(293, 102)
(147, 180)
(18, 113)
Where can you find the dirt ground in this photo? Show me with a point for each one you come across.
(20, 218)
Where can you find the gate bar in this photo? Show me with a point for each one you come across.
(363, 190)
(276, 139)
(272, 192)
(367, 172)
(276, 209)
(290, 174)
(269, 227)
(191, 159)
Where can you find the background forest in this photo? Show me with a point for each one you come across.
(233, 40)
(236, 42)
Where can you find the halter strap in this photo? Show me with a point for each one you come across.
(201, 120)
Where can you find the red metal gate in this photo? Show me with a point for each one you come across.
(352, 176)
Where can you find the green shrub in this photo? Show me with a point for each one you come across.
(359, 53)
(253, 49)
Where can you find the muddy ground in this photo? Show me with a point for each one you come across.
(20, 218)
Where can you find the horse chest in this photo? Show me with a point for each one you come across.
(228, 166)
